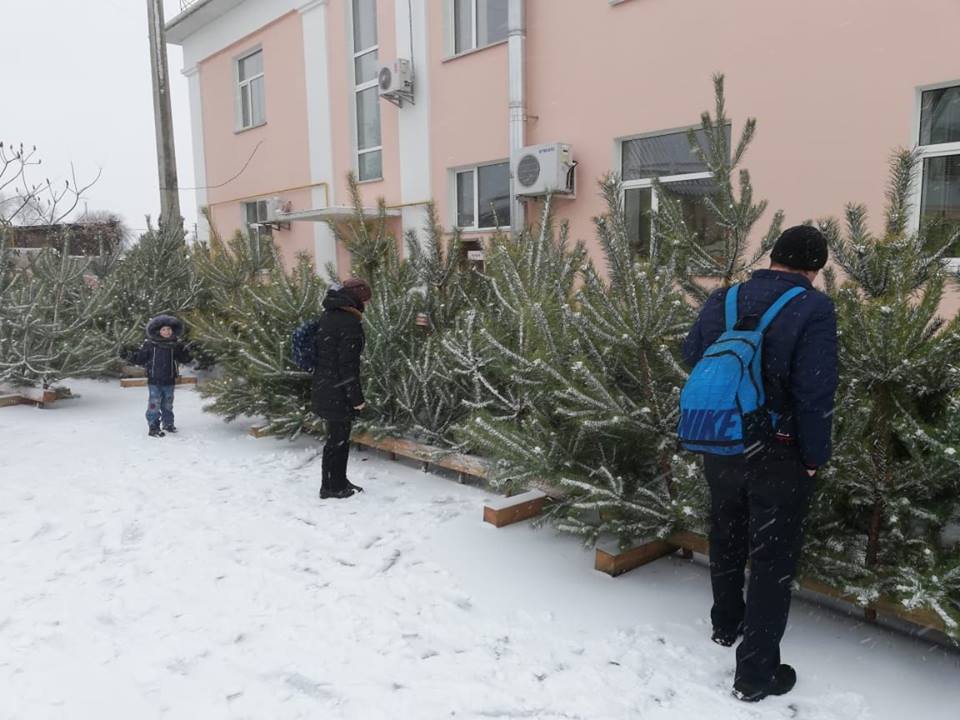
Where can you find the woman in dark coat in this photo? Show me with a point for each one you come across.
(337, 393)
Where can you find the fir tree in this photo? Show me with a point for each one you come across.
(733, 212)
(247, 324)
(894, 482)
(47, 321)
(602, 421)
(156, 276)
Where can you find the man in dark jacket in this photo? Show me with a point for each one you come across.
(337, 393)
(160, 354)
(759, 501)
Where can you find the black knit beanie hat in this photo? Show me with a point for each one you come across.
(801, 247)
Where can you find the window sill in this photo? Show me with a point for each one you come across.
(238, 131)
(474, 51)
(370, 181)
(483, 231)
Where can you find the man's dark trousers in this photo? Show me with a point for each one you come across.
(758, 509)
(336, 452)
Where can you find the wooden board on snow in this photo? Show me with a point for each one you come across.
(457, 462)
(613, 561)
(514, 509)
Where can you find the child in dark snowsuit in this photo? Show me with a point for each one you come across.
(160, 354)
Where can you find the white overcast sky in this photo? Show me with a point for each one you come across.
(75, 79)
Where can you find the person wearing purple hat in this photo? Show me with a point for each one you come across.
(337, 394)
(760, 497)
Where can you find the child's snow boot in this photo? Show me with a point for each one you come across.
(155, 431)
(170, 429)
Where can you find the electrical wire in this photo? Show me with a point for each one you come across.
(225, 182)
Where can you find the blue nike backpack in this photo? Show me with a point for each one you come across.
(723, 405)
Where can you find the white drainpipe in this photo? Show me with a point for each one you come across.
(517, 43)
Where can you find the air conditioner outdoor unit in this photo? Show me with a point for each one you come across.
(544, 169)
(275, 207)
(396, 81)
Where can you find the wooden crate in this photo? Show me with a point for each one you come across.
(610, 559)
(514, 509)
(142, 382)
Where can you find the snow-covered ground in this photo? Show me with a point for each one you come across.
(199, 576)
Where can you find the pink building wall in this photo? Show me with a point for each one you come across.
(831, 82)
(279, 165)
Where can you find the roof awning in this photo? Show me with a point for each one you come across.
(342, 212)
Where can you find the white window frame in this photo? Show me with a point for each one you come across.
(475, 170)
(648, 182)
(243, 85)
(474, 30)
(359, 88)
(928, 151)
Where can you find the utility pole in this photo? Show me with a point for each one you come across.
(162, 117)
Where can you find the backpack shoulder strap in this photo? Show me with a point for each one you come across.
(730, 307)
(775, 309)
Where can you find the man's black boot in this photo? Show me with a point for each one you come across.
(338, 494)
(726, 638)
(355, 488)
(782, 682)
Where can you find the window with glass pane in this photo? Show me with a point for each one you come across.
(638, 206)
(462, 25)
(940, 200)
(493, 195)
(366, 64)
(465, 199)
(364, 24)
(260, 236)
(491, 21)
(698, 218)
(251, 88)
(940, 116)
(368, 118)
(370, 165)
(366, 67)
(663, 155)
(478, 23)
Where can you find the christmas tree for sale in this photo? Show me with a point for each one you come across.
(408, 387)
(518, 325)
(246, 323)
(601, 383)
(48, 313)
(714, 231)
(154, 277)
(886, 500)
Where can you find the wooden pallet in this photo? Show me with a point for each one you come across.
(257, 431)
(514, 509)
(142, 382)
